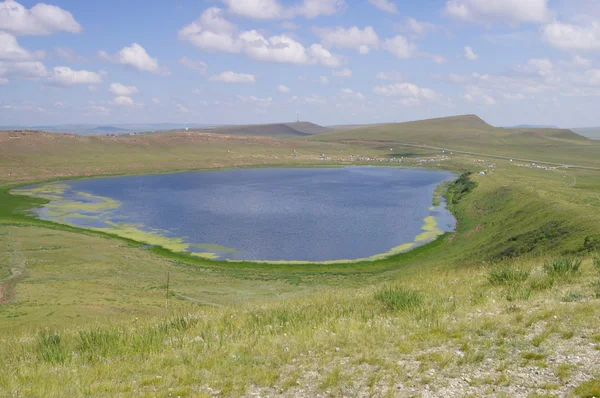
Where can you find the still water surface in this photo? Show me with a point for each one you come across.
(274, 214)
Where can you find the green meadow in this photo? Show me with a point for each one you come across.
(508, 305)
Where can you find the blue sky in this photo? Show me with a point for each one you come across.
(332, 61)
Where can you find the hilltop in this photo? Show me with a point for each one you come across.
(276, 130)
(471, 133)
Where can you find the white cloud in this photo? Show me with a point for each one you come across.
(400, 47)
(361, 40)
(181, 108)
(69, 55)
(470, 54)
(59, 104)
(342, 73)
(323, 80)
(406, 90)
(322, 56)
(282, 49)
(11, 50)
(211, 32)
(385, 5)
(257, 9)
(195, 65)
(256, 100)
(65, 76)
(283, 89)
(534, 11)
(233, 77)
(123, 101)
(314, 8)
(136, 57)
(581, 61)
(41, 19)
(273, 9)
(572, 37)
(349, 93)
(418, 28)
(311, 100)
(119, 89)
(476, 94)
(393, 76)
(156, 100)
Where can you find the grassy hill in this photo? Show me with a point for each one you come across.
(589, 132)
(276, 130)
(506, 306)
(470, 133)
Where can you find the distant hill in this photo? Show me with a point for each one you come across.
(531, 126)
(276, 130)
(107, 129)
(589, 132)
(472, 134)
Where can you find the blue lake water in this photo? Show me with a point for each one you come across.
(315, 214)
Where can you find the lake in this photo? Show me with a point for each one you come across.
(275, 214)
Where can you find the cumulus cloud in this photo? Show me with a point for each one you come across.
(342, 73)
(274, 9)
(400, 47)
(156, 100)
(470, 54)
(581, 61)
(122, 90)
(283, 89)
(211, 32)
(41, 19)
(512, 11)
(233, 77)
(417, 27)
(181, 108)
(385, 5)
(11, 50)
(361, 40)
(195, 65)
(27, 69)
(323, 80)
(351, 94)
(567, 36)
(406, 90)
(123, 101)
(322, 56)
(476, 94)
(65, 76)
(136, 57)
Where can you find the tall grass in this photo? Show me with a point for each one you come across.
(507, 276)
(50, 347)
(563, 266)
(596, 261)
(397, 298)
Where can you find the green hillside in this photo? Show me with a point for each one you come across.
(470, 133)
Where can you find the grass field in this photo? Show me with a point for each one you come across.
(505, 306)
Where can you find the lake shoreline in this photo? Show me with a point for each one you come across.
(394, 253)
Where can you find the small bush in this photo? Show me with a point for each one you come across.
(508, 276)
(562, 266)
(50, 348)
(399, 299)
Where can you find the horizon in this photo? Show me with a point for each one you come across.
(333, 62)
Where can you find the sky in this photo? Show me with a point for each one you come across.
(330, 62)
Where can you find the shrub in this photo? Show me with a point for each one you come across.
(563, 265)
(507, 276)
(399, 299)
